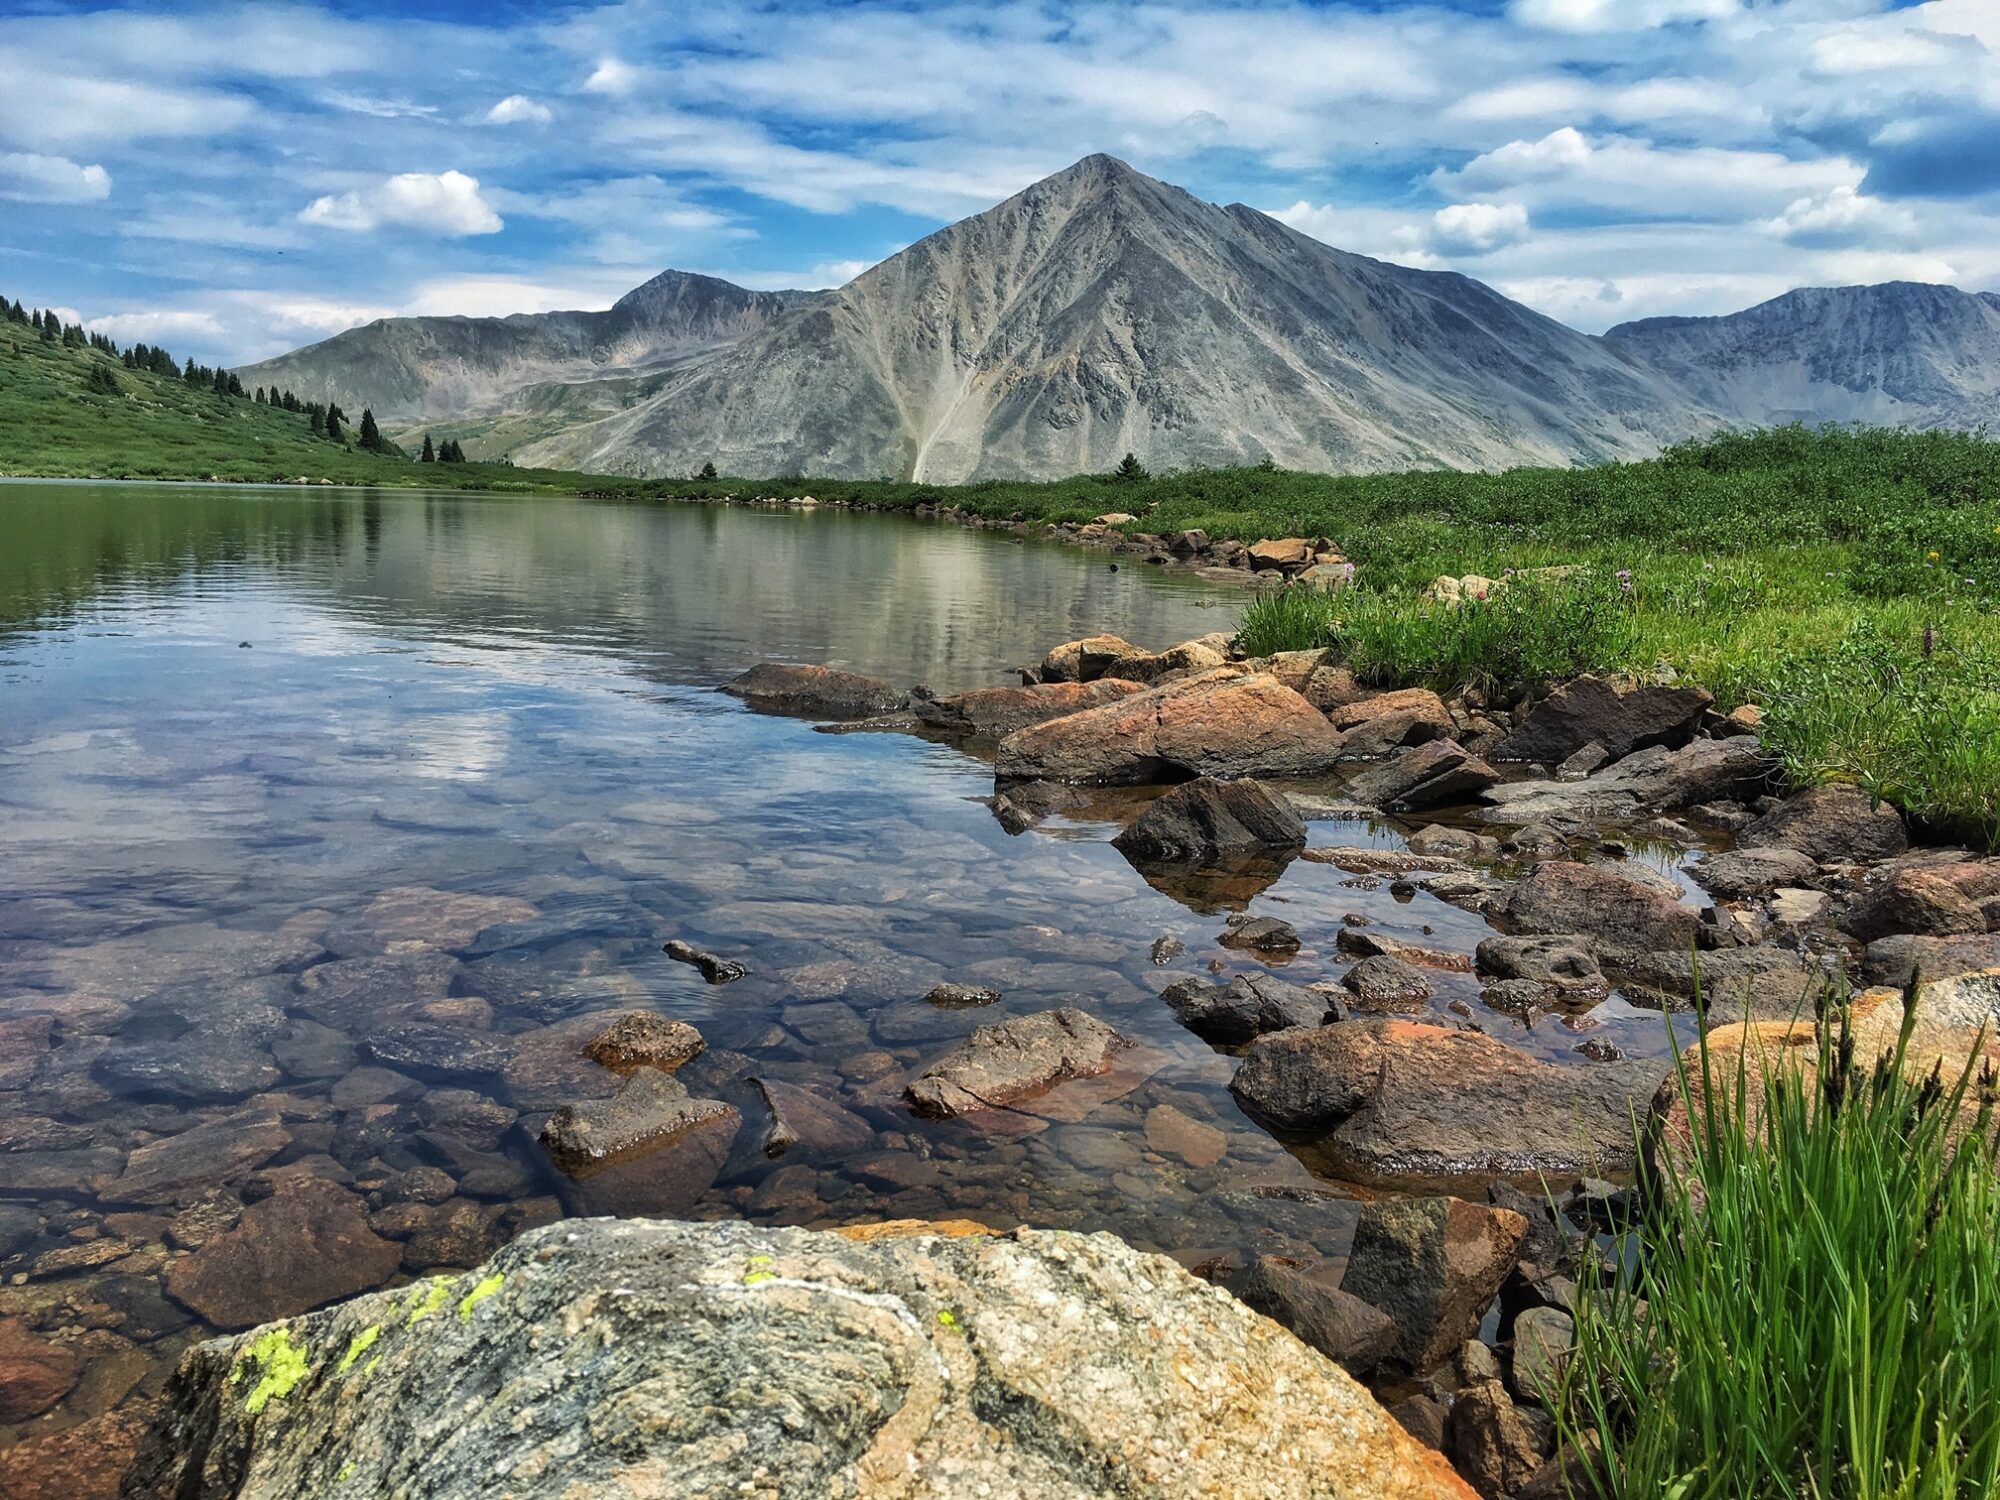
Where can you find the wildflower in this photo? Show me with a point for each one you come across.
(1932, 555)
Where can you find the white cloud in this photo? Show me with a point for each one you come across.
(1617, 15)
(612, 77)
(1841, 216)
(31, 178)
(1476, 228)
(442, 203)
(63, 109)
(1627, 175)
(157, 327)
(519, 109)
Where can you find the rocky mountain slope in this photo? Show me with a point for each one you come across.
(413, 370)
(1101, 311)
(1899, 354)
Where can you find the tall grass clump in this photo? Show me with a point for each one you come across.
(1815, 1309)
(1913, 717)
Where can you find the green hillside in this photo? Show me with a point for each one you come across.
(74, 410)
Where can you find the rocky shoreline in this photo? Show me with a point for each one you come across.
(1469, 1177)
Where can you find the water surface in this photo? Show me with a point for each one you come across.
(257, 747)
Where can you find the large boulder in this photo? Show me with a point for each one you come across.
(1590, 711)
(994, 713)
(1893, 960)
(1438, 773)
(1013, 1060)
(815, 692)
(1208, 819)
(1931, 900)
(1392, 1100)
(1084, 660)
(1768, 982)
(1433, 1265)
(630, 1359)
(1219, 723)
(1837, 823)
(1561, 896)
(1200, 655)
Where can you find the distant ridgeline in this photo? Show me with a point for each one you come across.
(74, 402)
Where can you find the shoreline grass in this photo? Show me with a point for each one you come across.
(1820, 1275)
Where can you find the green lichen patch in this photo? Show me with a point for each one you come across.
(424, 1303)
(280, 1365)
(357, 1346)
(479, 1294)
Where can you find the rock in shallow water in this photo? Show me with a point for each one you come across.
(815, 691)
(1206, 819)
(639, 1359)
(1012, 1061)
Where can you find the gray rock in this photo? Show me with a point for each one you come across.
(1561, 896)
(1391, 1100)
(645, 1039)
(1543, 1338)
(815, 692)
(180, 1168)
(1453, 843)
(1012, 1061)
(1495, 1444)
(1433, 1265)
(1309, 1301)
(1207, 819)
(1744, 874)
(810, 1122)
(1437, 773)
(1259, 935)
(995, 713)
(437, 1054)
(951, 996)
(714, 968)
(1833, 824)
(1247, 1007)
(650, 1112)
(1892, 960)
(1387, 983)
(1565, 963)
(1652, 780)
(637, 1358)
(1766, 983)
(212, 1065)
(1589, 710)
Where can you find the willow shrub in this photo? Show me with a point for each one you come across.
(1815, 1309)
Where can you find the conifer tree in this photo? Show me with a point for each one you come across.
(49, 332)
(429, 455)
(315, 424)
(371, 435)
(333, 432)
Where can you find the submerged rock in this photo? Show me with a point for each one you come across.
(1207, 819)
(629, 1359)
(1247, 1007)
(306, 1245)
(650, 1148)
(1391, 1100)
(810, 1121)
(815, 691)
(1219, 723)
(951, 996)
(1014, 1060)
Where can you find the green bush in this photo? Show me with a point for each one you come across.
(1815, 1309)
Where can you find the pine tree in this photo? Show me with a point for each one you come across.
(101, 381)
(315, 424)
(371, 435)
(707, 471)
(1130, 471)
(333, 432)
(50, 333)
(429, 455)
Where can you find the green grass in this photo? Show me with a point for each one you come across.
(53, 425)
(1820, 1279)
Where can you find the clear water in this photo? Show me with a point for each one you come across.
(231, 720)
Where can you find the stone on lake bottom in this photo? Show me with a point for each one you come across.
(1014, 1060)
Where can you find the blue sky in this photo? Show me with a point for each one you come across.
(234, 180)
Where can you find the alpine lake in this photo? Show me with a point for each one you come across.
(333, 823)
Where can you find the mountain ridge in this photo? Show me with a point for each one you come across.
(1100, 311)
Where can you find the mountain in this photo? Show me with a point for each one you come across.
(1101, 311)
(1899, 354)
(415, 370)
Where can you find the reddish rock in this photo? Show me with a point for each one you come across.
(1206, 819)
(1373, 727)
(1014, 1060)
(1283, 554)
(1149, 667)
(34, 1374)
(1219, 723)
(995, 713)
(1438, 773)
(1495, 1444)
(85, 1462)
(1941, 900)
(306, 1245)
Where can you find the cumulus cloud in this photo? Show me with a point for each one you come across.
(1841, 216)
(612, 76)
(519, 109)
(1477, 228)
(31, 178)
(441, 203)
